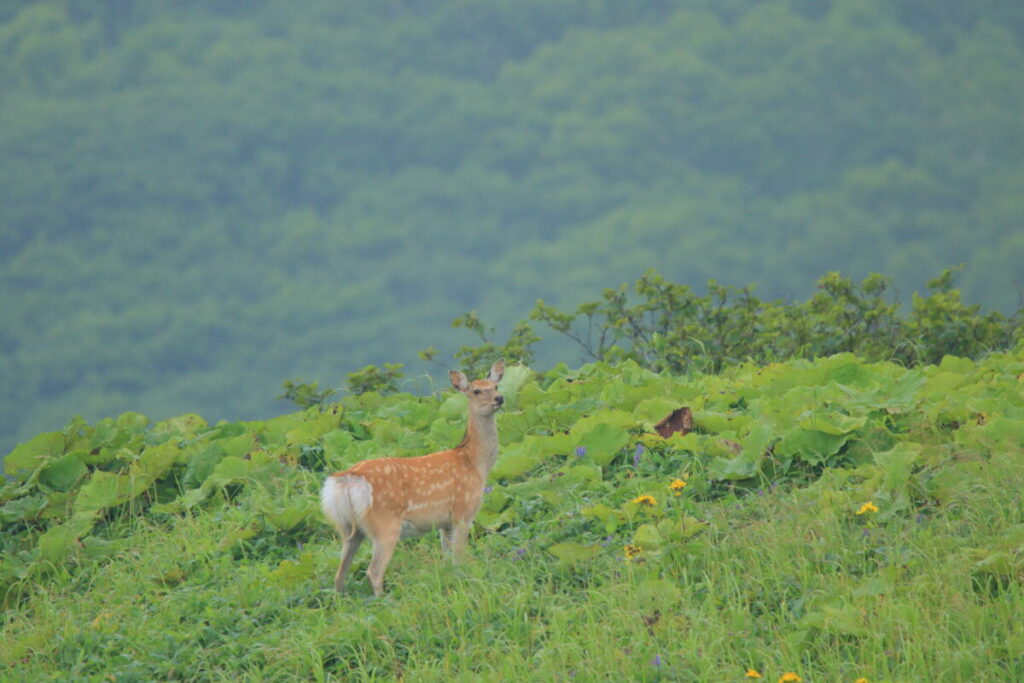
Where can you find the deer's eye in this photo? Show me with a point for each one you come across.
(476, 391)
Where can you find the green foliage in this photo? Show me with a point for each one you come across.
(673, 329)
(371, 378)
(305, 395)
(475, 360)
(819, 510)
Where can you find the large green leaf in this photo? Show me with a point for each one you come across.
(648, 537)
(103, 490)
(572, 553)
(27, 507)
(231, 470)
(810, 445)
(27, 456)
(182, 426)
(287, 517)
(309, 431)
(603, 442)
(291, 572)
(62, 473)
(732, 469)
(897, 464)
(516, 460)
(833, 423)
(513, 380)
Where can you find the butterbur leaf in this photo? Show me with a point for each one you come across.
(514, 378)
(290, 572)
(132, 422)
(611, 518)
(183, 425)
(833, 423)
(657, 593)
(492, 521)
(154, 462)
(103, 490)
(732, 469)
(956, 364)
(231, 470)
(897, 464)
(62, 473)
(290, 516)
(27, 456)
(514, 462)
(604, 442)
(810, 445)
(648, 537)
(845, 620)
(238, 534)
(57, 543)
(20, 509)
(201, 465)
(571, 553)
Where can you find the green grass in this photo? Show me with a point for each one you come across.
(777, 574)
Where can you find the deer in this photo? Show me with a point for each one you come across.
(385, 499)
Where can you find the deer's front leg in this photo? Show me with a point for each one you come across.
(457, 540)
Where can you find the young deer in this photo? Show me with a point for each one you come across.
(388, 498)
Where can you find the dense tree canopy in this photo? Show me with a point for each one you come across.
(200, 199)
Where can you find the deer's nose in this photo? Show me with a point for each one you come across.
(499, 399)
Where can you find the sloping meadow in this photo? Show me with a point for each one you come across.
(832, 519)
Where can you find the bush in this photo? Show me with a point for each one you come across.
(669, 327)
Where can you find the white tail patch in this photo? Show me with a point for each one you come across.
(345, 500)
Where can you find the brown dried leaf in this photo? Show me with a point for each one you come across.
(679, 421)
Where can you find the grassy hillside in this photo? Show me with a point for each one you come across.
(201, 199)
(833, 519)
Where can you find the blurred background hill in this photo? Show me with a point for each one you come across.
(201, 199)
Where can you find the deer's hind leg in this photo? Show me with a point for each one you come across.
(351, 540)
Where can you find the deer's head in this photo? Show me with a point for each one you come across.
(484, 399)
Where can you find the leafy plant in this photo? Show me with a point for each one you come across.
(305, 395)
(474, 360)
(671, 328)
(811, 512)
(372, 378)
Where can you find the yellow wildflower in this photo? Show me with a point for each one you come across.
(862, 680)
(789, 677)
(752, 673)
(677, 486)
(867, 507)
(632, 551)
(645, 500)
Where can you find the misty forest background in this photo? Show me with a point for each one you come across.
(199, 200)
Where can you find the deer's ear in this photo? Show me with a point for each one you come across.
(497, 371)
(459, 380)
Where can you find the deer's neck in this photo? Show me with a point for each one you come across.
(481, 443)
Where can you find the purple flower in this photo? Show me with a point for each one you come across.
(656, 661)
(581, 451)
(637, 454)
(520, 552)
(606, 541)
(488, 489)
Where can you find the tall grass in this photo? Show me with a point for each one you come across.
(785, 585)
